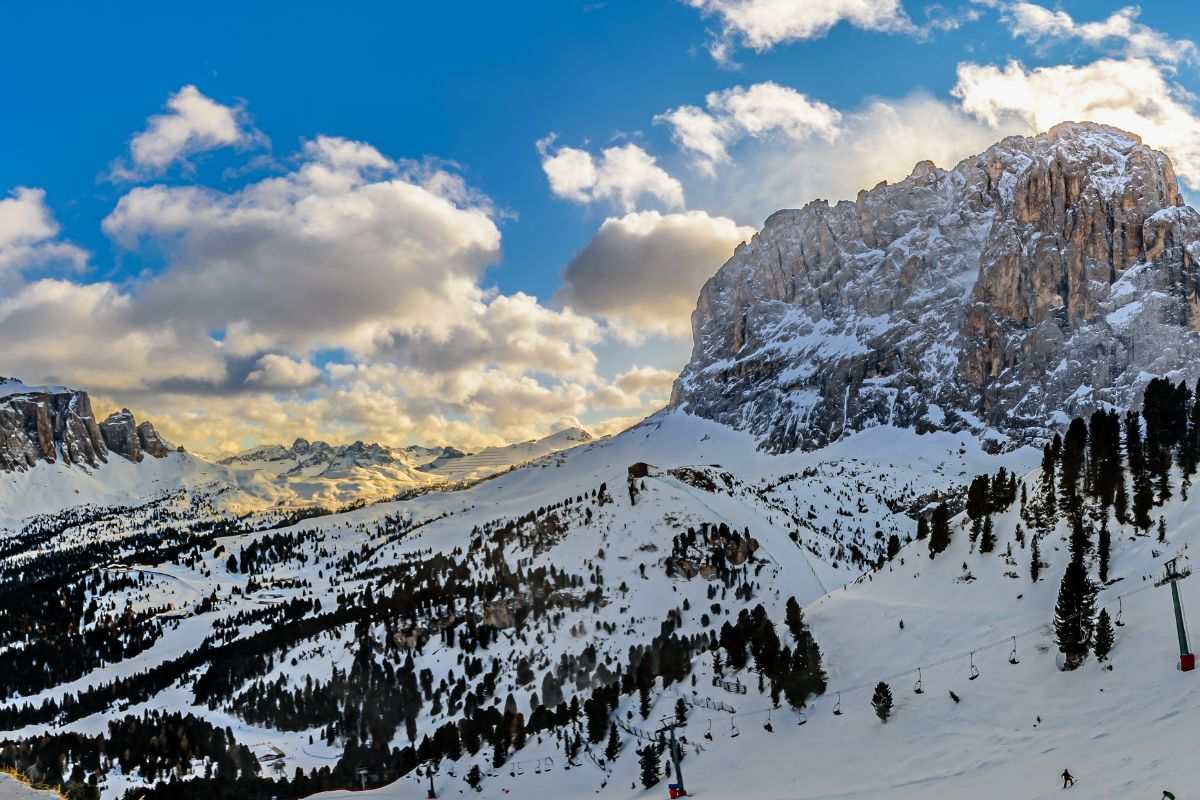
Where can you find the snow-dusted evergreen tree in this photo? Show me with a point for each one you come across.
(1104, 635)
(881, 701)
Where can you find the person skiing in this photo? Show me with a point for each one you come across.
(1068, 778)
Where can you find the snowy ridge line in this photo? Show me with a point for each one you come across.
(942, 661)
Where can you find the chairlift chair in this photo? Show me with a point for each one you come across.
(1012, 657)
(918, 687)
(767, 726)
(974, 669)
(708, 733)
(1120, 611)
(837, 705)
(733, 729)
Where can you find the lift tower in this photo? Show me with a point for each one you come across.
(1173, 575)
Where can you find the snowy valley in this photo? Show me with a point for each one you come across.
(901, 544)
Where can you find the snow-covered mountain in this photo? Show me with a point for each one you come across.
(1041, 279)
(841, 613)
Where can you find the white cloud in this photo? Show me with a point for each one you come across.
(755, 111)
(1132, 94)
(346, 251)
(1038, 24)
(194, 124)
(276, 371)
(28, 233)
(643, 271)
(880, 140)
(762, 24)
(349, 251)
(622, 175)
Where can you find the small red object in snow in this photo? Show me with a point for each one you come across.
(1187, 662)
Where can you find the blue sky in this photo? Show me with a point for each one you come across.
(200, 303)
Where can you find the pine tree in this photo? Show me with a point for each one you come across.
(1104, 635)
(1048, 487)
(1073, 613)
(1035, 559)
(922, 528)
(474, 777)
(649, 760)
(681, 710)
(613, 748)
(881, 701)
(939, 534)
(1105, 546)
(987, 542)
(1143, 493)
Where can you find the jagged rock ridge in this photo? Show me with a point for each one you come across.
(1045, 277)
(52, 423)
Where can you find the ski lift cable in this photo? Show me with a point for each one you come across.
(947, 659)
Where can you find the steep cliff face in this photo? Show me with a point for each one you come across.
(54, 423)
(1046, 276)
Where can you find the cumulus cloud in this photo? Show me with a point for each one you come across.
(345, 251)
(643, 271)
(756, 110)
(193, 124)
(277, 371)
(763, 24)
(1133, 94)
(1037, 24)
(880, 140)
(351, 251)
(29, 233)
(621, 175)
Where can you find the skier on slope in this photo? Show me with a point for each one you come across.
(1068, 778)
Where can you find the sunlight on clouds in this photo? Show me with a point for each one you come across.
(1037, 24)
(755, 111)
(1133, 94)
(194, 124)
(621, 175)
(763, 24)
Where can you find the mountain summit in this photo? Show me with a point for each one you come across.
(1038, 280)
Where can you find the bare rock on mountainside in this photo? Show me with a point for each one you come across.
(1034, 282)
(47, 423)
(121, 436)
(53, 423)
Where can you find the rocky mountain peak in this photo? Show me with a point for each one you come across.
(1048, 275)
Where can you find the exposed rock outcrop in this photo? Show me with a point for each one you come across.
(1042, 278)
(54, 423)
(47, 423)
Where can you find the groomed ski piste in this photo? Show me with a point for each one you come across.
(1121, 727)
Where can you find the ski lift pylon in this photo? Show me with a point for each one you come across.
(974, 669)
(918, 687)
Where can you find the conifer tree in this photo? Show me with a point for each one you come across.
(939, 533)
(1049, 491)
(1143, 494)
(613, 748)
(987, 542)
(650, 766)
(1035, 559)
(1073, 613)
(1162, 529)
(922, 527)
(1104, 635)
(881, 701)
(1105, 546)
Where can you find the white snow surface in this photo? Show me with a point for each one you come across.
(1124, 732)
